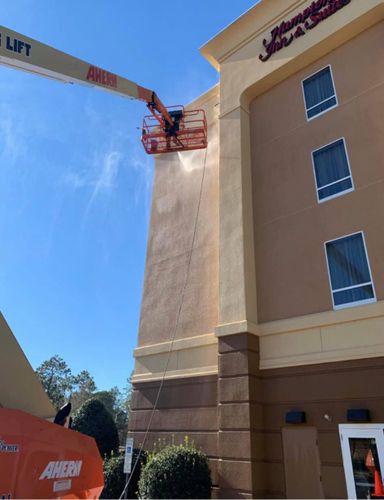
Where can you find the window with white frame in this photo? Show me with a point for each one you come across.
(331, 169)
(319, 93)
(349, 272)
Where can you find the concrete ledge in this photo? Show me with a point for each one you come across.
(236, 327)
(178, 345)
(174, 374)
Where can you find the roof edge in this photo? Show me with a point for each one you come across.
(254, 21)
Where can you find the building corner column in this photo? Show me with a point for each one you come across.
(240, 437)
(237, 276)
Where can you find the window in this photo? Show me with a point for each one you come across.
(319, 93)
(331, 169)
(349, 273)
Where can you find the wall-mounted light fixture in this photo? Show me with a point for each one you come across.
(358, 415)
(295, 417)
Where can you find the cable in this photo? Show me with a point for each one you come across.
(173, 336)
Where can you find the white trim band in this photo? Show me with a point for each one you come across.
(178, 345)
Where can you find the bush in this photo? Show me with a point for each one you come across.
(176, 472)
(94, 420)
(114, 477)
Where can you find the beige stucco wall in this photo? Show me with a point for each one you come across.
(175, 203)
(239, 236)
(19, 387)
(235, 51)
(249, 217)
(290, 225)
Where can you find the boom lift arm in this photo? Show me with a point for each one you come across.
(165, 130)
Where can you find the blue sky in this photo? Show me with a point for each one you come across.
(75, 184)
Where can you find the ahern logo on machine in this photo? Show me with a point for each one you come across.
(62, 469)
(99, 75)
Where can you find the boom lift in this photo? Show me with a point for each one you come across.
(39, 459)
(165, 130)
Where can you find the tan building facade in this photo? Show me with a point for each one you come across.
(263, 304)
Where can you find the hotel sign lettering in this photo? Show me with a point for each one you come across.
(287, 31)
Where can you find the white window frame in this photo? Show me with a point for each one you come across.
(357, 302)
(334, 94)
(345, 191)
(347, 431)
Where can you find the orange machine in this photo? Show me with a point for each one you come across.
(165, 130)
(40, 459)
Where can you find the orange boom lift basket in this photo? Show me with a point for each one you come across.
(188, 131)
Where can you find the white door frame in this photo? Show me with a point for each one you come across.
(347, 431)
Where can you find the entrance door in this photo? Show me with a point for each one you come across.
(362, 447)
(302, 463)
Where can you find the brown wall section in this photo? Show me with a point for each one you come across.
(330, 389)
(290, 225)
(186, 407)
(237, 418)
(257, 417)
(241, 469)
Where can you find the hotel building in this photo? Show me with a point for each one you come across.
(263, 302)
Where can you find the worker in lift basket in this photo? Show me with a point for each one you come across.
(172, 130)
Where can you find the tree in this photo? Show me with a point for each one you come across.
(57, 379)
(122, 415)
(94, 419)
(122, 425)
(118, 404)
(84, 382)
(108, 398)
(127, 395)
(61, 386)
(85, 387)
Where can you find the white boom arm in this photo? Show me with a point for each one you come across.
(21, 52)
(179, 130)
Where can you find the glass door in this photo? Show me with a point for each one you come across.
(362, 448)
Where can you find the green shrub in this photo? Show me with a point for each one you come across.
(94, 420)
(114, 476)
(176, 472)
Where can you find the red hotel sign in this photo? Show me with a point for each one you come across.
(310, 17)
